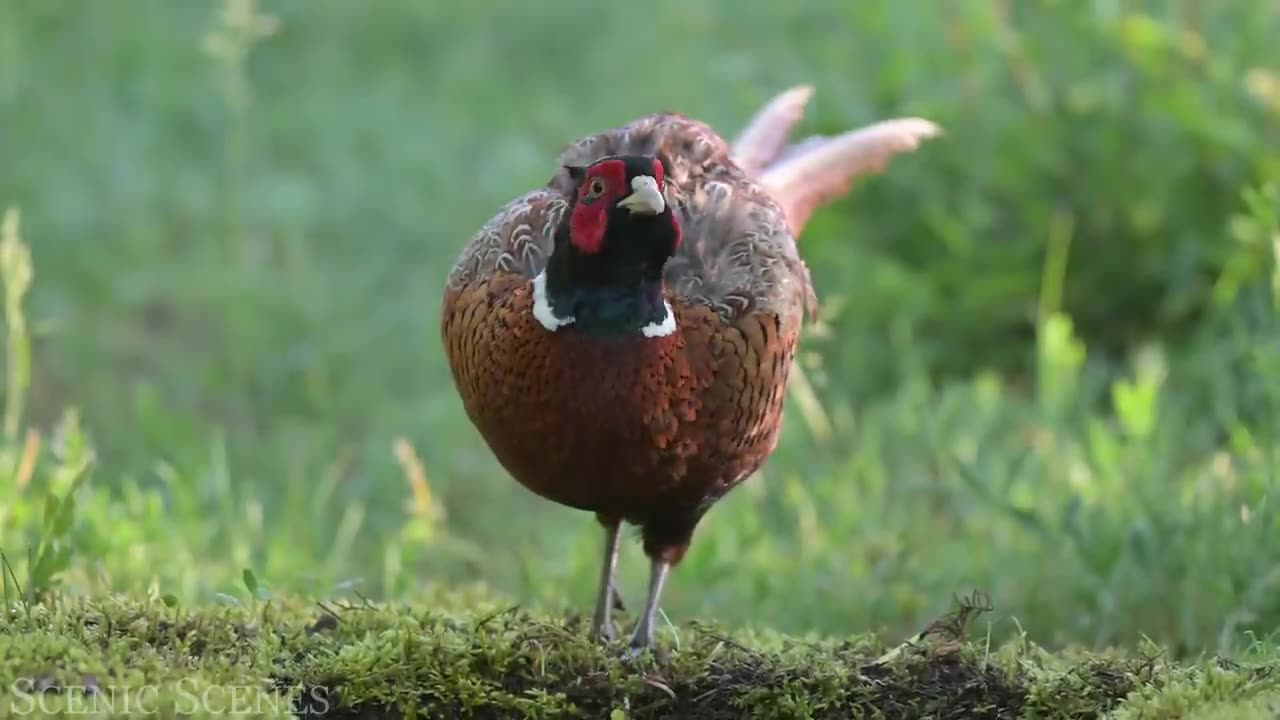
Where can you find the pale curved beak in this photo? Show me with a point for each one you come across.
(645, 197)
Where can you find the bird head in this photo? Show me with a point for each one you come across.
(620, 212)
(605, 273)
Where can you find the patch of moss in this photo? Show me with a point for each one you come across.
(465, 656)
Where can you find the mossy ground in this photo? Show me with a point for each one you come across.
(468, 656)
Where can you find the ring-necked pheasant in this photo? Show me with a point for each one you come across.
(622, 337)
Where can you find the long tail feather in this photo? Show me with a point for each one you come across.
(765, 135)
(819, 169)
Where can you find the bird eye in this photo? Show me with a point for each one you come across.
(595, 187)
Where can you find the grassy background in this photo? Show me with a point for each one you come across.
(1049, 365)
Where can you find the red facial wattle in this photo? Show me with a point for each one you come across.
(586, 228)
(590, 214)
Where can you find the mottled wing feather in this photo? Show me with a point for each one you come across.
(518, 239)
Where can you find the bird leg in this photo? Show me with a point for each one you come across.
(643, 636)
(601, 624)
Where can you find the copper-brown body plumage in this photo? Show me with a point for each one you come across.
(650, 430)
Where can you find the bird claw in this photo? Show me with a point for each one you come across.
(641, 642)
(603, 633)
(645, 655)
(634, 652)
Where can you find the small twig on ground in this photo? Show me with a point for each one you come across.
(951, 626)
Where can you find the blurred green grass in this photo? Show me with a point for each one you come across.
(1048, 364)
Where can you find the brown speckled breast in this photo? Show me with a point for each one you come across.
(629, 426)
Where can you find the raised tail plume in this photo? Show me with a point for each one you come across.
(805, 175)
(765, 136)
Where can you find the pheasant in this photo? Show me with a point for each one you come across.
(622, 337)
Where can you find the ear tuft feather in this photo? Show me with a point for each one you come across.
(576, 172)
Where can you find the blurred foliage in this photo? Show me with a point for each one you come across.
(1122, 130)
(1048, 366)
